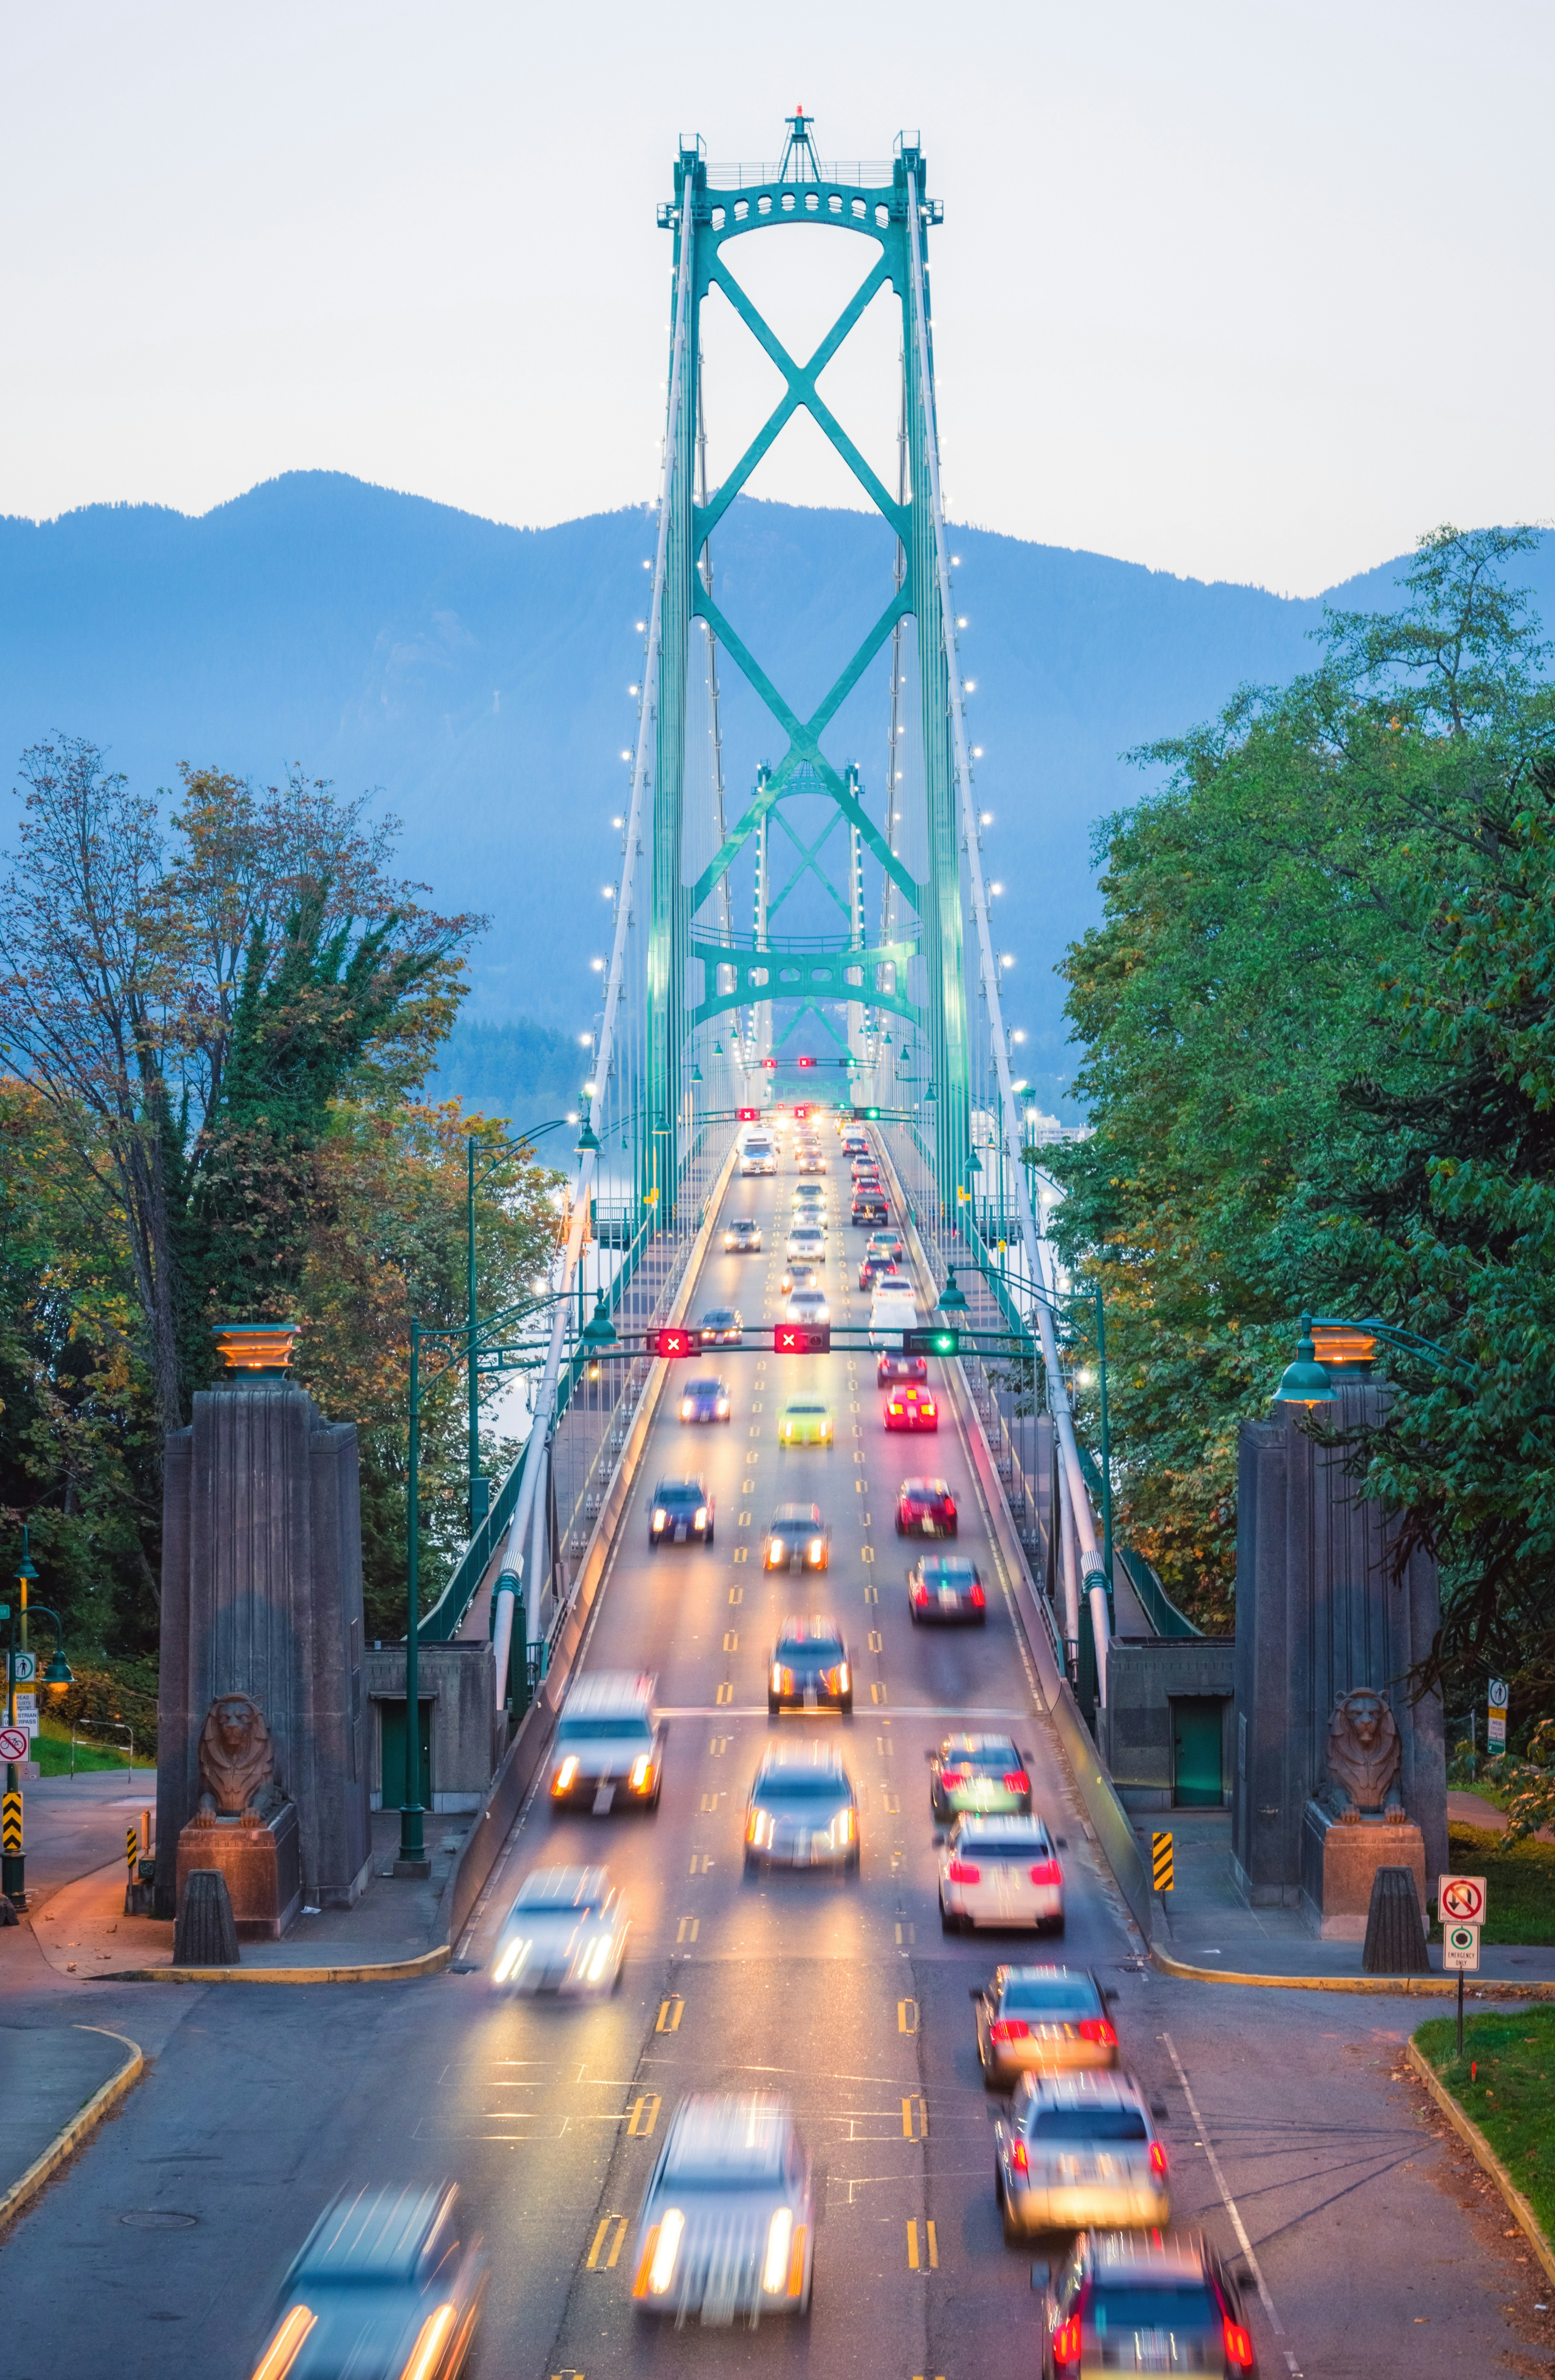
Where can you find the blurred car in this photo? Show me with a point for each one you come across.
(890, 1369)
(981, 1773)
(926, 1509)
(811, 1158)
(874, 1265)
(681, 1509)
(807, 1243)
(871, 1206)
(565, 1932)
(892, 1310)
(802, 1811)
(864, 1168)
(1077, 2150)
(383, 2286)
(799, 1540)
(743, 1237)
(807, 1195)
(727, 2222)
(999, 1872)
(800, 1276)
(809, 1666)
(808, 1305)
(759, 1155)
(609, 1739)
(946, 1587)
(721, 1326)
(807, 1421)
(705, 1400)
(888, 1243)
(1044, 2021)
(1170, 2306)
(912, 1408)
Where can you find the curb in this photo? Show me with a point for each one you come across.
(86, 2119)
(389, 1970)
(1484, 2155)
(1391, 1987)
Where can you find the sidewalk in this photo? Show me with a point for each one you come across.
(82, 1930)
(1202, 1924)
(50, 2077)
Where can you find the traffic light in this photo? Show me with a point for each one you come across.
(749, 1115)
(866, 1115)
(800, 1114)
(930, 1342)
(802, 1339)
(770, 1065)
(677, 1340)
(803, 1062)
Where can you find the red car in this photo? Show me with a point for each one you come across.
(892, 1368)
(911, 1408)
(926, 1509)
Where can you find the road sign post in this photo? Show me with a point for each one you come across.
(1459, 1904)
(1495, 1721)
(1161, 1870)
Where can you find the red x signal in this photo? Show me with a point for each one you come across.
(676, 1342)
(802, 1339)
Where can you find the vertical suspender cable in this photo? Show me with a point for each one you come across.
(1037, 1251)
(511, 1570)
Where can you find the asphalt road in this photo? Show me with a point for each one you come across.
(161, 2248)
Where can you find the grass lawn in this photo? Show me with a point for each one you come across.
(1512, 2097)
(1520, 1884)
(52, 1754)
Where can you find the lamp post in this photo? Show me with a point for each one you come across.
(13, 1857)
(480, 1488)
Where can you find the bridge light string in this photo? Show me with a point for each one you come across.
(1037, 1251)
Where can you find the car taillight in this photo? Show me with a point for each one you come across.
(978, 1598)
(701, 1520)
(960, 1871)
(565, 1774)
(1017, 1781)
(1018, 2158)
(925, 1405)
(1067, 2342)
(1009, 2028)
(1047, 1872)
(952, 1779)
(948, 1508)
(783, 1680)
(1098, 2028)
(920, 1595)
(896, 1405)
(642, 1771)
(1239, 2346)
(1158, 2160)
(837, 1678)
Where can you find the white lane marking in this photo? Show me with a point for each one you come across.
(1229, 2202)
(899, 1710)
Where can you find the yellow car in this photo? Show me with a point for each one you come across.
(806, 1422)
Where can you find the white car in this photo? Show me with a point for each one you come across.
(808, 1305)
(759, 1156)
(566, 1932)
(807, 1244)
(1079, 2152)
(999, 1872)
(726, 2228)
(893, 1309)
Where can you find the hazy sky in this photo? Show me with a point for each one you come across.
(1250, 291)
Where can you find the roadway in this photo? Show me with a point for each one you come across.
(164, 2242)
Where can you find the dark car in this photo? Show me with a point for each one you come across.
(984, 1773)
(810, 1668)
(743, 1237)
(926, 1509)
(705, 1399)
(681, 1509)
(871, 1206)
(875, 1262)
(799, 1540)
(388, 2281)
(892, 1369)
(721, 1326)
(1122, 2296)
(946, 1587)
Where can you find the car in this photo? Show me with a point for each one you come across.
(1078, 2150)
(892, 1310)
(945, 1586)
(807, 1243)
(1173, 2296)
(609, 1739)
(743, 1237)
(800, 1276)
(705, 1400)
(890, 1369)
(999, 1872)
(388, 2281)
(727, 2222)
(721, 1326)
(802, 1811)
(760, 1156)
(811, 1158)
(808, 1305)
(912, 1408)
(681, 1509)
(806, 1193)
(871, 1206)
(983, 1774)
(873, 1265)
(809, 1666)
(864, 1169)
(925, 1508)
(1044, 2021)
(565, 1932)
(806, 1421)
(888, 1243)
(799, 1540)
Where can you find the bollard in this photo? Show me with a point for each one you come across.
(1395, 1936)
(206, 1935)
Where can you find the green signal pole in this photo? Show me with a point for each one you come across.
(413, 1860)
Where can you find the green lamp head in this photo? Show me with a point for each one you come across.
(952, 1299)
(1304, 1382)
(599, 1331)
(588, 1141)
(59, 1674)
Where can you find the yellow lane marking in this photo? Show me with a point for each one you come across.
(912, 2247)
(746, 1485)
(745, 1520)
(687, 1930)
(597, 2261)
(670, 2013)
(906, 1931)
(906, 2016)
(933, 2249)
(710, 1801)
(644, 2116)
(701, 1863)
(877, 1642)
(736, 1594)
(740, 1552)
(867, 1553)
(731, 1641)
(725, 1692)
(914, 2118)
(871, 1595)
(717, 1747)
(877, 1691)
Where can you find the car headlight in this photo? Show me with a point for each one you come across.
(687, 1409)
(818, 1548)
(598, 1960)
(701, 1520)
(510, 1961)
(426, 2356)
(660, 1516)
(843, 1827)
(778, 1550)
(565, 1774)
(286, 2345)
(779, 2232)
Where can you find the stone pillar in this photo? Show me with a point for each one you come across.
(1320, 1613)
(262, 1595)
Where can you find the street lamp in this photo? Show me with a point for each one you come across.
(1310, 1380)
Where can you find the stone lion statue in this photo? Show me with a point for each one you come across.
(237, 1764)
(1364, 1757)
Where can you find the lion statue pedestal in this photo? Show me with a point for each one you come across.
(244, 1825)
(1360, 1823)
